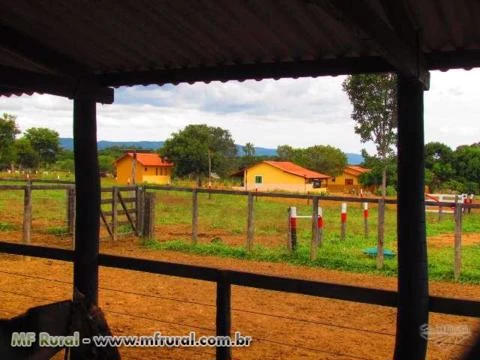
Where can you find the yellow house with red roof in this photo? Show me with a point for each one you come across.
(144, 167)
(283, 176)
(349, 180)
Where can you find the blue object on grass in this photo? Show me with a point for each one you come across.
(373, 252)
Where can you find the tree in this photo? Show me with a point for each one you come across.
(8, 131)
(25, 156)
(190, 148)
(438, 165)
(466, 160)
(248, 154)
(374, 100)
(325, 159)
(45, 142)
(375, 176)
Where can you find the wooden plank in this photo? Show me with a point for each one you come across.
(452, 306)
(120, 212)
(250, 222)
(107, 224)
(27, 214)
(114, 213)
(223, 315)
(149, 216)
(129, 217)
(315, 230)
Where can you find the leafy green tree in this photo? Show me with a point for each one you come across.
(189, 149)
(26, 156)
(438, 165)
(248, 154)
(45, 142)
(374, 100)
(325, 159)
(8, 131)
(105, 163)
(466, 161)
(375, 176)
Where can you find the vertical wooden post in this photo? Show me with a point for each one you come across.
(380, 233)
(139, 191)
(413, 298)
(440, 213)
(194, 216)
(343, 219)
(70, 210)
(292, 229)
(458, 239)
(250, 222)
(149, 216)
(320, 226)
(365, 219)
(87, 182)
(27, 213)
(315, 230)
(114, 213)
(223, 316)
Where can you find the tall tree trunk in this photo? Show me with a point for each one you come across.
(384, 182)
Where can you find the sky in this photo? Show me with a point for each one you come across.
(268, 113)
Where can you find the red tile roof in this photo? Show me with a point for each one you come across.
(356, 169)
(148, 159)
(295, 169)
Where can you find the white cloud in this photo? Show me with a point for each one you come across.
(268, 113)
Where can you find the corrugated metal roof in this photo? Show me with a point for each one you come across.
(116, 37)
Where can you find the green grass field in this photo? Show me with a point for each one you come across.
(223, 223)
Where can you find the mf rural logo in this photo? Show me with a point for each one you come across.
(445, 336)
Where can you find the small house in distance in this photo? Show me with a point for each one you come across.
(148, 168)
(348, 181)
(282, 176)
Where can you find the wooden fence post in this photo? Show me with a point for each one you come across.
(458, 239)
(380, 232)
(149, 217)
(292, 229)
(250, 222)
(223, 315)
(139, 200)
(194, 216)
(114, 213)
(70, 192)
(365, 219)
(27, 214)
(343, 218)
(315, 230)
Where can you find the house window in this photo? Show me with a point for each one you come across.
(258, 179)
(146, 169)
(333, 179)
(348, 181)
(317, 184)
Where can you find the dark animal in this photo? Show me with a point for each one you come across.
(58, 319)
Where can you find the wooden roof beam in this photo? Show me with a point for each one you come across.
(403, 54)
(45, 57)
(25, 81)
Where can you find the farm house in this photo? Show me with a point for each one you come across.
(348, 180)
(89, 49)
(145, 167)
(282, 176)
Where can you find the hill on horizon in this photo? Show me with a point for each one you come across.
(67, 143)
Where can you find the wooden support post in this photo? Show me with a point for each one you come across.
(365, 219)
(194, 216)
(292, 229)
(70, 192)
(149, 216)
(114, 213)
(27, 213)
(315, 230)
(380, 233)
(343, 220)
(139, 208)
(458, 239)
(87, 182)
(250, 222)
(440, 213)
(223, 318)
(413, 298)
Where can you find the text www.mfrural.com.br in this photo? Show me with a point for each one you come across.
(27, 339)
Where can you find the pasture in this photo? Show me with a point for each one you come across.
(282, 325)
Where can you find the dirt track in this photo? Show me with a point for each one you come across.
(283, 326)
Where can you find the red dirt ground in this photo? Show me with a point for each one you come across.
(283, 326)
